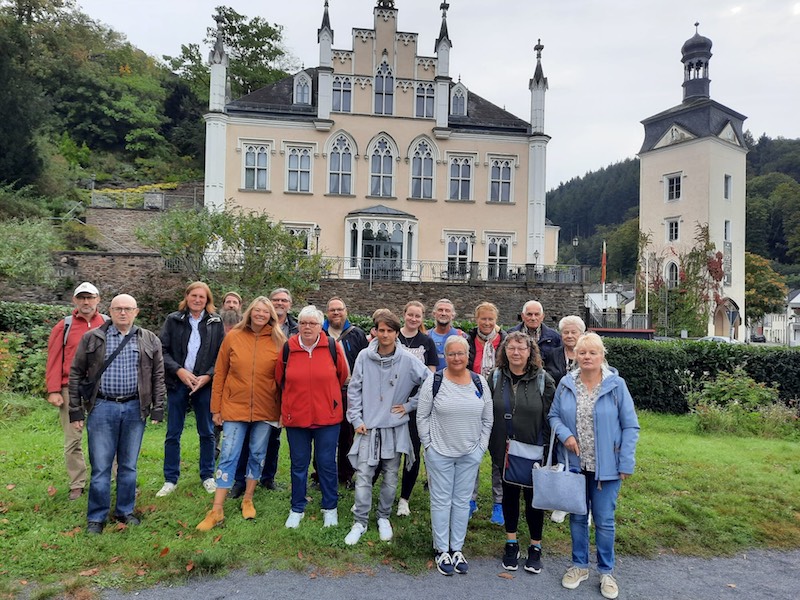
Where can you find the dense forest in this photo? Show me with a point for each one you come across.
(604, 204)
(80, 103)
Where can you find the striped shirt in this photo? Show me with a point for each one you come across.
(121, 376)
(458, 420)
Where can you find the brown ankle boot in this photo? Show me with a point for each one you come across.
(248, 510)
(213, 518)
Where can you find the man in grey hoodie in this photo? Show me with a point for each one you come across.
(383, 390)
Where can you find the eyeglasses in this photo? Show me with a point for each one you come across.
(512, 350)
(456, 354)
(308, 324)
(124, 309)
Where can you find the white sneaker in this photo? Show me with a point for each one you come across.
(385, 530)
(330, 517)
(210, 485)
(166, 489)
(402, 508)
(608, 586)
(558, 516)
(355, 534)
(293, 520)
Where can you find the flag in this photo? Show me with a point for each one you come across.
(603, 265)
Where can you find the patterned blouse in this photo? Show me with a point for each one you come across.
(585, 422)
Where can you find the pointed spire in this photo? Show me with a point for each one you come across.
(443, 35)
(538, 75)
(218, 56)
(326, 23)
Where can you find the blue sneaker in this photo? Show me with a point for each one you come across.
(444, 563)
(497, 514)
(473, 506)
(460, 564)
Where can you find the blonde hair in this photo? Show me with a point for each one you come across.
(592, 340)
(209, 307)
(277, 331)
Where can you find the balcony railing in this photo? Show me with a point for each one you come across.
(390, 269)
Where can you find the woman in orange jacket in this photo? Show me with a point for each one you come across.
(245, 397)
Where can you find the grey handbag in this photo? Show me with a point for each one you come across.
(556, 489)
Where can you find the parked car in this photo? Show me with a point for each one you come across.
(759, 338)
(720, 339)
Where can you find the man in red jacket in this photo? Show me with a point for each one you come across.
(60, 351)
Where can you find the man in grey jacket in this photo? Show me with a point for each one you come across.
(122, 396)
(382, 392)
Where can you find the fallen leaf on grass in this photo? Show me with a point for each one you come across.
(385, 561)
(35, 508)
(371, 544)
(312, 576)
(141, 572)
(149, 508)
(430, 564)
(402, 564)
(198, 551)
(89, 572)
(183, 524)
(23, 582)
(300, 555)
(49, 546)
(51, 490)
(71, 532)
(120, 527)
(218, 538)
(40, 466)
(505, 575)
(164, 552)
(189, 566)
(11, 486)
(114, 559)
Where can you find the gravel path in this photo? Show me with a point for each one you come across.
(766, 575)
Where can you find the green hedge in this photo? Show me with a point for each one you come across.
(660, 374)
(32, 323)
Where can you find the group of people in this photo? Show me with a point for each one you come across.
(364, 403)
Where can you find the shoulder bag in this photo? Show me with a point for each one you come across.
(557, 488)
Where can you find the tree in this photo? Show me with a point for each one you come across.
(233, 249)
(765, 290)
(255, 47)
(28, 247)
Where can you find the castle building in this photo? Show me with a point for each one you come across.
(692, 167)
(379, 157)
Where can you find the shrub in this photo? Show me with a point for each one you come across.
(30, 326)
(734, 403)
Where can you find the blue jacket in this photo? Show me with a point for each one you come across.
(548, 337)
(616, 428)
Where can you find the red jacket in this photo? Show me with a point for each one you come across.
(312, 385)
(59, 356)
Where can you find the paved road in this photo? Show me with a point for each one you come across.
(758, 575)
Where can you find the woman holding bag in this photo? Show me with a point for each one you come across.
(594, 418)
(522, 394)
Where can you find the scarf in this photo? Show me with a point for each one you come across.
(487, 360)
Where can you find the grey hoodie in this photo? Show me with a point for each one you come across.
(378, 383)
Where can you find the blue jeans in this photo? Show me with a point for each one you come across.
(450, 482)
(270, 460)
(113, 429)
(601, 498)
(178, 401)
(234, 435)
(325, 440)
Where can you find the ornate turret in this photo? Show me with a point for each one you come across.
(442, 49)
(325, 38)
(696, 53)
(218, 61)
(538, 87)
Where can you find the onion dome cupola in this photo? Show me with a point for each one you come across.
(696, 54)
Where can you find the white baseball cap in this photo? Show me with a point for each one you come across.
(86, 288)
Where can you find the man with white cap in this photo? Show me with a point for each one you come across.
(61, 348)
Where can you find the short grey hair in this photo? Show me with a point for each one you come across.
(281, 291)
(572, 320)
(456, 339)
(311, 312)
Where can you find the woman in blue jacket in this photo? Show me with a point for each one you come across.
(594, 418)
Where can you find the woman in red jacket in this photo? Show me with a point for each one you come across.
(311, 375)
(245, 397)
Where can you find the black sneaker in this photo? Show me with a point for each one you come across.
(236, 491)
(94, 527)
(511, 556)
(269, 484)
(130, 519)
(533, 564)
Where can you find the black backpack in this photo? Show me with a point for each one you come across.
(437, 382)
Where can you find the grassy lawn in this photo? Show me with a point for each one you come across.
(691, 494)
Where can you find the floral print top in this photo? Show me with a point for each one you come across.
(585, 422)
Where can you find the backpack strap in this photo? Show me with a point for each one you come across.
(476, 381)
(437, 382)
(286, 354)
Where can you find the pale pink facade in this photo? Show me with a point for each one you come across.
(377, 155)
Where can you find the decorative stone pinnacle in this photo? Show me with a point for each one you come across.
(539, 47)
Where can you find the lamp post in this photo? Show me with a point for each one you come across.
(575, 242)
(317, 231)
(535, 262)
(473, 264)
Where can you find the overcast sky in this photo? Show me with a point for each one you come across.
(609, 64)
